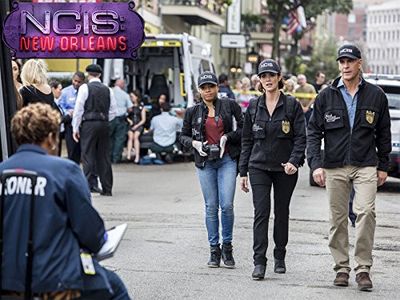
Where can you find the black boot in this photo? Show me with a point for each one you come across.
(280, 266)
(259, 272)
(215, 257)
(227, 256)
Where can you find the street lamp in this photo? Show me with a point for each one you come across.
(252, 57)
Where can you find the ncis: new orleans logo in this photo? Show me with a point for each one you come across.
(72, 30)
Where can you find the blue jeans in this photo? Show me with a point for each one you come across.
(218, 181)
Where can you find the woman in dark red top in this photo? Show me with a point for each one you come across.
(208, 128)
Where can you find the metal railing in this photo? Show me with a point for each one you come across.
(211, 5)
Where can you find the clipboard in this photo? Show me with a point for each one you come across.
(114, 237)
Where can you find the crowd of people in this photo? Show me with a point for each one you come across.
(128, 119)
(263, 139)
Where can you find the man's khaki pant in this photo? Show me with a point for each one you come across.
(339, 182)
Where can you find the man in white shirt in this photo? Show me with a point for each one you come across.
(164, 129)
(95, 107)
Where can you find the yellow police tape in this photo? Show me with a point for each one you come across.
(309, 96)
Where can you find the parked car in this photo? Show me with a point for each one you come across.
(390, 84)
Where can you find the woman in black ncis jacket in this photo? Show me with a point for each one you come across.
(273, 145)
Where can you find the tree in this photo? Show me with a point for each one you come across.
(278, 9)
(324, 59)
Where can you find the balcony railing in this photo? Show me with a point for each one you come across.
(213, 6)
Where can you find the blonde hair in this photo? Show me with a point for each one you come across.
(32, 124)
(246, 82)
(34, 71)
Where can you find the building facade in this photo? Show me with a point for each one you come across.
(383, 38)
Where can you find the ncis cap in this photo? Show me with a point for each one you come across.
(207, 77)
(93, 68)
(349, 51)
(268, 66)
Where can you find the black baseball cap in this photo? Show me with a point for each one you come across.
(268, 66)
(349, 51)
(207, 77)
(93, 68)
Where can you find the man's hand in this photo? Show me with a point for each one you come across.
(290, 169)
(222, 143)
(76, 136)
(199, 147)
(382, 175)
(319, 176)
(244, 184)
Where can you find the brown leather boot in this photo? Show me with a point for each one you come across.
(342, 279)
(364, 281)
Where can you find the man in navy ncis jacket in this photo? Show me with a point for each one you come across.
(352, 116)
(64, 223)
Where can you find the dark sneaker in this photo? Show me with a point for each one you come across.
(364, 281)
(342, 279)
(280, 266)
(227, 256)
(259, 272)
(95, 189)
(215, 257)
(108, 194)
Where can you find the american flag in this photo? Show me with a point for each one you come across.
(293, 22)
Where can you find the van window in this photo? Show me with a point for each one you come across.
(205, 65)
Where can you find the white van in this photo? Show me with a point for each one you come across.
(166, 63)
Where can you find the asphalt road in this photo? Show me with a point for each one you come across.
(164, 252)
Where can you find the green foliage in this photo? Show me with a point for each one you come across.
(252, 19)
(314, 8)
(278, 9)
(292, 63)
(224, 2)
(324, 59)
